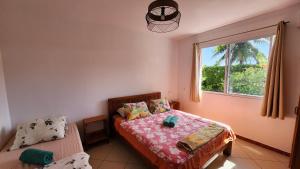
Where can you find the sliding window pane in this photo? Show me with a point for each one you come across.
(213, 70)
(248, 63)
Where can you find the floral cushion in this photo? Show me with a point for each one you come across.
(159, 106)
(136, 110)
(38, 131)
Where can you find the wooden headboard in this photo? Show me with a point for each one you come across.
(115, 103)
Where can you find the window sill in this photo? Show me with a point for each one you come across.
(235, 95)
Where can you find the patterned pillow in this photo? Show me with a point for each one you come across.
(136, 110)
(38, 131)
(121, 111)
(78, 160)
(159, 106)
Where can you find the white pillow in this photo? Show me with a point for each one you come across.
(78, 160)
(38, 131)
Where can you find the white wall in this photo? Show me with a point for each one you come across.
(243, 113)
(5, 121)
(57, 64)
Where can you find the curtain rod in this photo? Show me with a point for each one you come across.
(243, 32)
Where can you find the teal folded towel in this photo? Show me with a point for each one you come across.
(170, 121)
(173, 121)
(35, 156)
(167, 121)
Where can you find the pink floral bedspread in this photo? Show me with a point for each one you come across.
(162, 140)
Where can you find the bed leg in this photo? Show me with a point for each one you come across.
(228, 149)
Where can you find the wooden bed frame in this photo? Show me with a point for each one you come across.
(115, 103)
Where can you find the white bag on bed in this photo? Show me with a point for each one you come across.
(38, 131)
(78, 160)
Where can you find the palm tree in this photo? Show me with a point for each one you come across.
(241, 52)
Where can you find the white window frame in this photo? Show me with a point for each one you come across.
(227, 68)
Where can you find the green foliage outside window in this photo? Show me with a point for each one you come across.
(245, 79)
(247, 62)
(213, 78)
(250, 81)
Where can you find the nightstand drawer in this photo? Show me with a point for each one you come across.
(99, 132)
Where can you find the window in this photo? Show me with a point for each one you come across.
(236, 68)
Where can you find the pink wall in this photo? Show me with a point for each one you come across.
(62, 61)
(243, 113)
(57, 64)
(5, 121)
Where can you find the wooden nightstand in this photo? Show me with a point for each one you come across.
(174, 105)
(92, 133)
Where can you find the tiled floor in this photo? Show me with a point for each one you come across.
(118, 155)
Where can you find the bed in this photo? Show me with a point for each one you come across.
(161, 152)
(67, 146)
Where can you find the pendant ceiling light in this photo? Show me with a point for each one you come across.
(163, 16)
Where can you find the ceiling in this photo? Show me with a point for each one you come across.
(197, 15)
(203, 15)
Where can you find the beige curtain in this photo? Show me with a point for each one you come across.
(273, 98)
(196, 74)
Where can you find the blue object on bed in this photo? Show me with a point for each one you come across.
(167, 121)
(36, 156)
(170, 121)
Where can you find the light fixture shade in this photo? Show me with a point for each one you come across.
(163, 16)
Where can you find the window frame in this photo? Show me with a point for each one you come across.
(227, 67)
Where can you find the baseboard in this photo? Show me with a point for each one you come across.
(264, 145)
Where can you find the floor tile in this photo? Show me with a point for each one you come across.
(135, 158)
(233, 163)
(259, 153)
(237, 151)
(282, 158)
(286, 164)
(135, 166)
(95, 163)
(100, 152)
(242, 142)
(271, 164)
(112, 165)
(118, 155)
